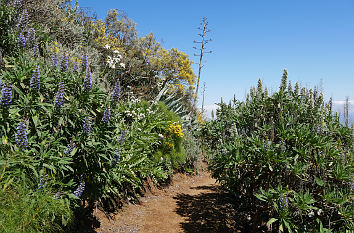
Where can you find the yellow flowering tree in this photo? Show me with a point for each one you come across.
(147, 63)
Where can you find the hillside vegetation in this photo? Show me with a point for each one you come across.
(88, 112)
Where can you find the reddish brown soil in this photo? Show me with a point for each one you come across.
(189, 204)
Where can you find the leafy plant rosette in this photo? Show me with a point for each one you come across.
(287, 157)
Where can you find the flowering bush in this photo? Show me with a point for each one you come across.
(291, 153)
(65, 124)
(175, 129)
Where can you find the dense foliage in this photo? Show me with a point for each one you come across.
(80, 121)
(287, 157)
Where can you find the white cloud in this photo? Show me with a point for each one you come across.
(208, 109)
(351, 102)
(338, 106)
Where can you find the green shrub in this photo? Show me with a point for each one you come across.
(8, 39)
(192, 146)
(290, 152)
(27, 208)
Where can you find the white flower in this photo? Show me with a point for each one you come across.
(139, 129)
(141, 116)
(311, 214)
(160, 135)
(122, 65)
(107, 46)
(319, 211)
(116, 51)
(116, 59)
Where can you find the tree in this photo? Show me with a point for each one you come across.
(203, 42)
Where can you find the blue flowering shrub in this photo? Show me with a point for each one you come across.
(286, 158)
(69, 134)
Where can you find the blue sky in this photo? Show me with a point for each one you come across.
(252, 39)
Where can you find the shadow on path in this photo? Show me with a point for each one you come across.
(209, 211)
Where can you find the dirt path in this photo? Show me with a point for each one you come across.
(190, 204)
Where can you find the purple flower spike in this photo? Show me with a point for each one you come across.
(87, 125)
(6, 95)
(84, 62)
(35, 51)
(65, 62)
(116, 155)
(17, 4)
(24, 17)
(21, 135)
(78, 192)
(284, 202)
(21, 41)
(22, 20)
(116, 93)
(59, 97)
(76, 66)
(122, 137)
(87, 82)
(31, 37)
(269, 145)
(55, 60)
(36, 80)
(106, 115)
(69, 149)
(42, 182)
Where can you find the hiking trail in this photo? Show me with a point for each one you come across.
(189, 204)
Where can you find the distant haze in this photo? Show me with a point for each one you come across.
(338, 106)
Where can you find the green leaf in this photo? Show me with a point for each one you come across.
(35, 121)
(287, 226)
(271, 221)
(319, 181)
(270, 167)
